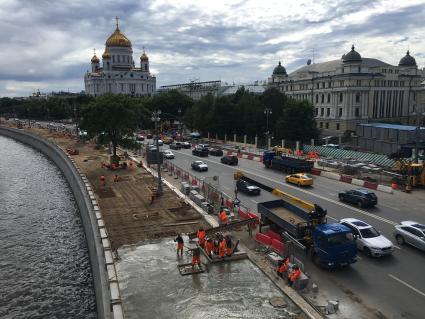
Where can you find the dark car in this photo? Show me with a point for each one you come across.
(176, 146)
(200, 151)
(361, 197)
(149, 136)
(186, 145)
(199, 166)
(216, 152)
(229, 160)
(247, 188)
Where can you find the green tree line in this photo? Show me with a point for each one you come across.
(241, 113)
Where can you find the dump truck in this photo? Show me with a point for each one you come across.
(287, 163)
(305, 225)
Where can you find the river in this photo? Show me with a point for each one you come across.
(44, 262)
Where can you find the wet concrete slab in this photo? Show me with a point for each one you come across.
(152, 287)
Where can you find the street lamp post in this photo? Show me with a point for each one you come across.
(418, 115)
(156, 119)
(76, 122)
(267, 111)
(180, 123)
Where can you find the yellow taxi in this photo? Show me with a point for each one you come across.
(300, 179)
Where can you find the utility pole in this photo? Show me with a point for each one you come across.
(419, 115)
(156, 119)
(76, 122)
(180, 123)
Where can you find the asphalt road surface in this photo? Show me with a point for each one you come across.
(394, 285)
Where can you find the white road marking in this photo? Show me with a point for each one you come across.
(254, 201)
(407, 285)
(333, 218)
(397, 247)
(225, 187)
(395, 208)
(332, 194)
(382, 219)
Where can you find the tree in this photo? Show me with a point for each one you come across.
(297, 122)
(113, 115)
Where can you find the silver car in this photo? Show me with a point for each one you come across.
(368, 239)
(412, 233)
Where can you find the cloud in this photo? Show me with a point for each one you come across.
(48, 47)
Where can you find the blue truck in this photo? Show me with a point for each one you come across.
(288, 164)
(329, 245)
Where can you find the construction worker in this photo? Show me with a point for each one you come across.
(294, 275)
(180, 244)
(216, 245)
(282, 267)
(116, 178)
(223, 217)
(222, 247)
(102, 180)
(196, 257)
(228, 245)
(201, 237)
(209, 247)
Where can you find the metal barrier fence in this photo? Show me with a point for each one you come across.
(208, 187)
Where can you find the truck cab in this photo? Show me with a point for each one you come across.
(333, 246)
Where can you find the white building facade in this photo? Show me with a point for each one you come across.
(354, 90)
(117, 73)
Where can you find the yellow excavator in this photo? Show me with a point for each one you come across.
(415, 173)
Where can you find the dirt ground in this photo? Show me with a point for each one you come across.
(126, 206)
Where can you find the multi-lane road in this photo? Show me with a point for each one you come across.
(393, 285)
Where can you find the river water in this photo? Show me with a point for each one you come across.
(44, 264)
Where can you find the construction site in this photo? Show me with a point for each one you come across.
(142, 226)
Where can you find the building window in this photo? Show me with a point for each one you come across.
(317, 98)
(337, 126)
(122, 87)
(340, 112)
(317, 111)
(119, 58)
(323, 98)
(357, 112)
(341, 83)
(327, 125)
(321, 124)
(132, 87)
(359, 83)
(322, 111)
(317, 85)
(360, 69)
(328, 111)
(401, 83)
(357, 97)
(329, 98)
(113, 59)
(110, 87)
(323, 85)
(341, 97)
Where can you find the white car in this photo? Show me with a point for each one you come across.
(168, 154)
(368, 239)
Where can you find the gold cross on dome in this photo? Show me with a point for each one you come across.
(116, 19)
(94, 51)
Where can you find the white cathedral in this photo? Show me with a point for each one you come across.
(118, 73)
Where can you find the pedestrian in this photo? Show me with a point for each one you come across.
(201, 237)
(209, 247)
(102, 180)
(282, 267)
(223, 217)
(222, 247)
(229, 245)
(216, 245)
(116, 178)
(294, 275)
(196, 257)
(180, 244)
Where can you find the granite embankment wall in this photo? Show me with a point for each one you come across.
(88, 216)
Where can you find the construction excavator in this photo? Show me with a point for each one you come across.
(413, 172)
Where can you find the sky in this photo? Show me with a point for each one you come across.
(48, 44)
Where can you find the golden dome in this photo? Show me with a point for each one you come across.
(95, 59)
(106, 55)
(117, 39)
(144, 57)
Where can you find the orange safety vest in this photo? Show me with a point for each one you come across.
(283, 268)
(208, 247)
(223, 216)
(295, 275)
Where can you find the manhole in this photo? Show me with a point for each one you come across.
(278, 302)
